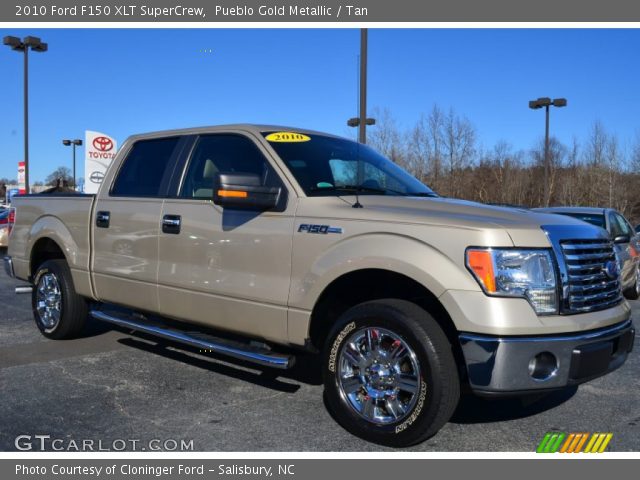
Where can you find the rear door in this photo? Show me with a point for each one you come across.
(226, 268)
(127, 223)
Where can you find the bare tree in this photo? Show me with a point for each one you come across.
(557, 153)
(634, 158)
(441, 149)
(459, 136)
(59, 175)
(425, 147)
(569, 190)
(419, 151)
(385, 136)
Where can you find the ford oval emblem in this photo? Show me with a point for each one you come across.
(611, 269)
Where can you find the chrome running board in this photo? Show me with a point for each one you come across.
(24, 289)
(249, 353)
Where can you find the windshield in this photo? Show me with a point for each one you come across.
(592, 218)
(326, 166)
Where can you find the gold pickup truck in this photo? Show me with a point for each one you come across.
(261, 242)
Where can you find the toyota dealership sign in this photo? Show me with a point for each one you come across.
(100, 150)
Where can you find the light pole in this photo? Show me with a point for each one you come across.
(74, 143)
(546, 102)
(35, 44)
(362, 121)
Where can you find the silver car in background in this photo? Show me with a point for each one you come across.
(626, 241)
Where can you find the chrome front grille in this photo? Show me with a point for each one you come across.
(591, 282)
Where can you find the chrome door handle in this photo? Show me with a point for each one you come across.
(171, 224)
(102, 219)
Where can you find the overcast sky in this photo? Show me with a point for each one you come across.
(129, 81)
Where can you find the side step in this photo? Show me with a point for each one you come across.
(249, 353)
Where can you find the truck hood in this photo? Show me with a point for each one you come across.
(523, 226)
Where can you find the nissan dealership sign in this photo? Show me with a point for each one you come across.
(99, 151)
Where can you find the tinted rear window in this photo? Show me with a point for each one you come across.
(144, 168)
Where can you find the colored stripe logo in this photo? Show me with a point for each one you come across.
(583, 442)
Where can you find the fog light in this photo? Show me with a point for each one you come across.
(543, 366)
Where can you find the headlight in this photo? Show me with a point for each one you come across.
(526, 274)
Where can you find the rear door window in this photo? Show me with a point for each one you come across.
(146, 168)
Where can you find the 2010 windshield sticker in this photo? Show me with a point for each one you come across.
(287, 137)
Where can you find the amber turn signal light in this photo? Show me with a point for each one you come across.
(232, 193)
(481, 263)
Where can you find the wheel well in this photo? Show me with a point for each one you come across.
(370, 284)
(43, 250)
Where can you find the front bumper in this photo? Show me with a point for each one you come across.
(8, 267)
(506, 365)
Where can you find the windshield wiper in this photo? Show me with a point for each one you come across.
(421, 194)
(364, 188)
(350, 188)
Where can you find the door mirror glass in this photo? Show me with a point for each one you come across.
(244, 191)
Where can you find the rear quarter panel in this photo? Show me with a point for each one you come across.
(66, 221)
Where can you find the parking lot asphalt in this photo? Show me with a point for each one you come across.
(113, 386)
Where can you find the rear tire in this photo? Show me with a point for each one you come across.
(59, 312)
(390, 375)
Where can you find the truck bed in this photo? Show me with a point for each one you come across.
(64, 218)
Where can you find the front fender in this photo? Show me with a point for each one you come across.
(387, 251)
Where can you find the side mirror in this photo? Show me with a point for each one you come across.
(622, 239)
(243, 190)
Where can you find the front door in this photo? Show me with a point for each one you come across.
(226, 268)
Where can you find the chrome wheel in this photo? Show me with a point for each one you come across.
(48, 300)
(378, 375)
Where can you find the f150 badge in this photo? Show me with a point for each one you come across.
(321, 229)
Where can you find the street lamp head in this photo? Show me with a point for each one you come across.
(77, 141)
(32, 41)
(559, 102)
(41, 47)
(13, 42)
(539, 103)
(355, 122)
(36, 44)
(66, 142)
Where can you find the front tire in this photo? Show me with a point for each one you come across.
(390, 376)
(60, 313)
